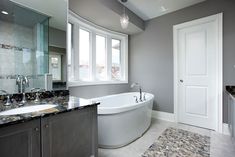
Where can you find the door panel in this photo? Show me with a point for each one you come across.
(196, 54)
(70, 134)
(20, 140)
(197, 68)
(195, 106)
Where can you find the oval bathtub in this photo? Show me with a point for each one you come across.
(121, 120)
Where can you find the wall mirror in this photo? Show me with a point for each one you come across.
(32, 45)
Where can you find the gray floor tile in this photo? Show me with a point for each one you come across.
(221, 145)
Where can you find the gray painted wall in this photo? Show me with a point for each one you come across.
(151, 51)
(118, 8)
(95, 11)
(98, 90)
(57, 38)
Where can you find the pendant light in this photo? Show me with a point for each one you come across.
(124, 19)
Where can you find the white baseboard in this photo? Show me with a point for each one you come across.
(163, 116)
(171, 118)
(226, 130)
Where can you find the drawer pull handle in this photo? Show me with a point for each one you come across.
(36, 129)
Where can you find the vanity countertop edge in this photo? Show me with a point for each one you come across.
(64, 102)
(230, 90)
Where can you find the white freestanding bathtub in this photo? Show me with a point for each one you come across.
(121, 120)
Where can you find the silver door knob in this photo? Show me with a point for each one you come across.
(181, 81)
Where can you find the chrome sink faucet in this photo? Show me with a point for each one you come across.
(140, 90)
(23, 101)
(22, 82)
(37, 90)
(8, 103)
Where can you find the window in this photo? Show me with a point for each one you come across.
(101, 63)
(55, 67)
(69, 51)
(84, 55)
(116, 59)
(95, 55)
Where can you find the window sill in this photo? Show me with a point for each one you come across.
(92, 83)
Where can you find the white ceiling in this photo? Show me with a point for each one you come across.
(148, 9)
(56, 9)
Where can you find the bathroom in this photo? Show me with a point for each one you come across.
(114, 78)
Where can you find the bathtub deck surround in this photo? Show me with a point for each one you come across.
(121, 119)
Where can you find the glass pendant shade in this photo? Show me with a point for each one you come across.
(124, 20)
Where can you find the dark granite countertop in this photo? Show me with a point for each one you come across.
(62, 99)
(230, 90)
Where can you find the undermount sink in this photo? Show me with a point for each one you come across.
(27, 109)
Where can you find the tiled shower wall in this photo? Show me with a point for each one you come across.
(17, 54)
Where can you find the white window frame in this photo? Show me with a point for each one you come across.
(79, 22)
(55, 54)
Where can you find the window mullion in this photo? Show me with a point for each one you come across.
(76, 52)
(125, 58)
(93, 55)
(71, 65)
(122, 53)
(109, 57)
(72, 54)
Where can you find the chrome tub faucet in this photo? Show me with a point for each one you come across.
(140, 90)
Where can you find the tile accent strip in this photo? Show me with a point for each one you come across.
(11, 47)
(14, 76)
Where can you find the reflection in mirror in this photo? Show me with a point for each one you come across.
(32, 46)
(23, 48)
(57, 67)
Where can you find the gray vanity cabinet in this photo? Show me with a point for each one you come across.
(70, 134)
(20, 140)
(230, 101)
(231, 114)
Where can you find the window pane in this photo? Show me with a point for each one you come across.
(101, 73)
(84, 51)
(69, 57)
(116, 59)
(69, 43)
(55, 67)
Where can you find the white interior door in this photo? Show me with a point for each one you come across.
(197, 55)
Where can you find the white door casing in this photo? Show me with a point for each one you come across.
(198, 72)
